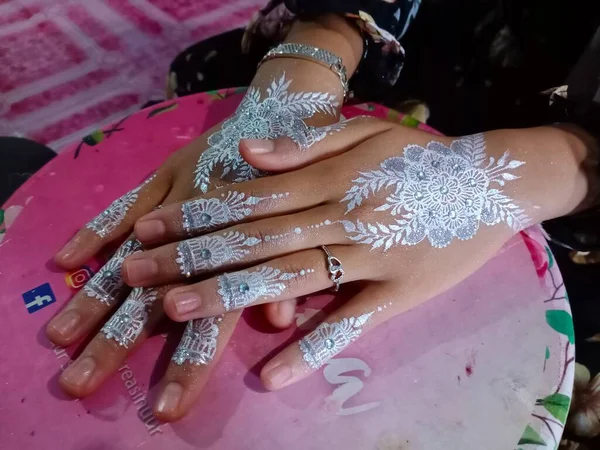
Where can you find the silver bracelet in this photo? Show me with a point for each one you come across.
(308, 52)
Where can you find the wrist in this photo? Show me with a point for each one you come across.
(556, 178)
(332, 33)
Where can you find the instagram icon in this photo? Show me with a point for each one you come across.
(78, 278)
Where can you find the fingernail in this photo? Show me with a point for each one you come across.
(141, 270)
(186, 302)
(279, 375)
(286, 310)
(65, 323)
(148, 230)
(170, 397)
(80, 371)
(67, 251)
(259, 146)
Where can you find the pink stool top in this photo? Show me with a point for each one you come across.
(487, 365)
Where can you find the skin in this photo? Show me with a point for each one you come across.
(551, 184)
(559, 174)
(174, 183)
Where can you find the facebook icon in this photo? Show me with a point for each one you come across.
(38, 298)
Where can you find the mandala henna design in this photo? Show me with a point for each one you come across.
(440, 193)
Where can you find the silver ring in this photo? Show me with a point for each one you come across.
(334, 266)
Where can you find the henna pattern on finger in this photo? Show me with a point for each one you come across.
(329, 339)
(207, 252)
(198, 344)
(108, 220)
(107, 283)
(278, 114)
(127, 323)
(440, 193)
(208, 213)
(240, 289)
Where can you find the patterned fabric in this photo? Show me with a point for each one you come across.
(71, 66)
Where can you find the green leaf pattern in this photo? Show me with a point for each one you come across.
(550, 413)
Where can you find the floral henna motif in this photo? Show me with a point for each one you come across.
(440, 193)
(279, 114)
(207, 252)
(198, 344)
(243, 288)
(329, 339)
(207, 214)
(127, 323)
(109, 219)
(106, 284)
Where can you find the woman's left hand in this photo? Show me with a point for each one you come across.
(405, 213)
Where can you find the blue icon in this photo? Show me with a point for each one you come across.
(38, 298)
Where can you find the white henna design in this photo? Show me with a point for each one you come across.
(329, 339)
(440, 193)
(278, 114)
(106, 284)
(207, 252)
(127, 323)
(242, 288)
(109, 219)
(198, 344)
(208, 213)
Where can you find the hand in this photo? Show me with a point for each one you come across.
(408, 215)
(211, 161)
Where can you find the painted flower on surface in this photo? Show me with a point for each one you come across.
(538, 254)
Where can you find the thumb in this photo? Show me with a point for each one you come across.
(284, 154)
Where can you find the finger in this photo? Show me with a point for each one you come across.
(101, 295)
(363, 312)
(234, 247)
(199, 350)
(91, 304)
(281, 314)
(121, 334)
(224, 207)
(115, 221)
(284, 278)
(283, 154)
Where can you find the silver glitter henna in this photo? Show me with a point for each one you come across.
(127, 323)
(208, 213)
(107, 283)
(279, 114)
(329, 339)
(440, 193)
(109, 219)
(198, 344)
(207, 252)
(240, 289)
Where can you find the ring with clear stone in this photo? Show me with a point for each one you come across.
(335, 269)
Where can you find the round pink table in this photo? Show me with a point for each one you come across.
(487, 365)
